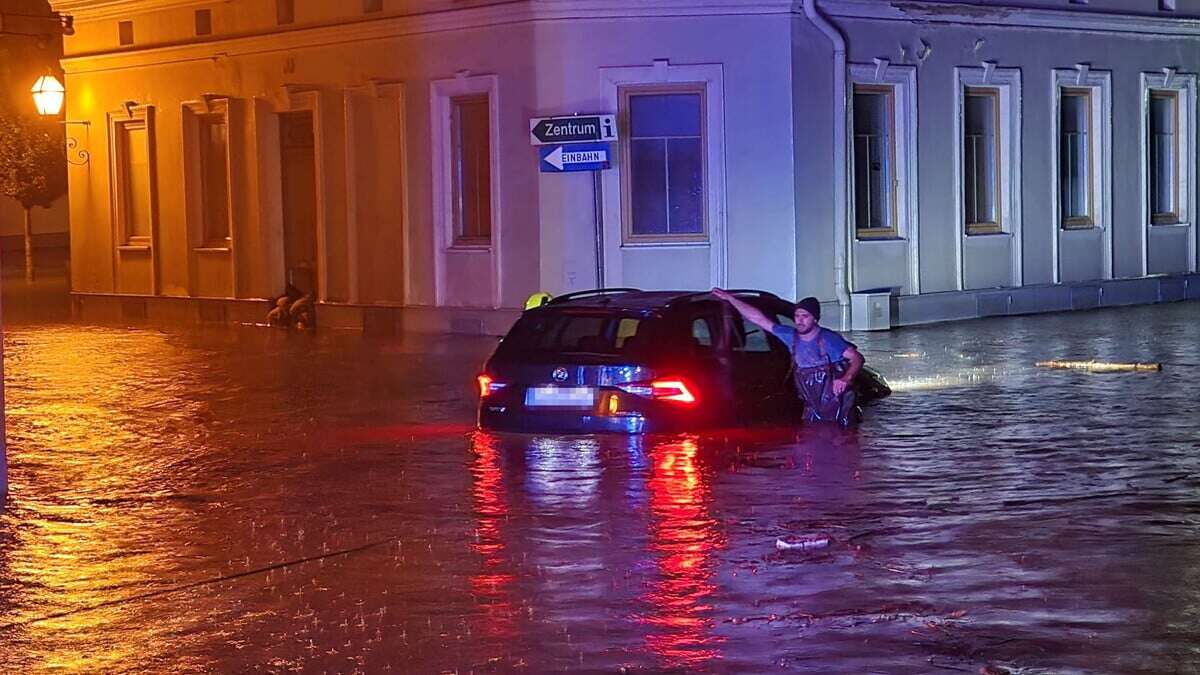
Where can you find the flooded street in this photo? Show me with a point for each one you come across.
(248, 500)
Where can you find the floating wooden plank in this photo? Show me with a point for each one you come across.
(1102, 366)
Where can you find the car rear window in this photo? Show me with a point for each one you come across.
(578, 332)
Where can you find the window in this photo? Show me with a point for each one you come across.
(664, 190)
(133, 171)
(1075, 158)
(749, 336)
(206, 152)
(874, 161)
(204, 22)
(214, 177)
(987, 174)
(125, 32)
(570, 331)
(1168, 158)
(981, 160)
(285, 12)
(1163, 147)
(471, 175)
(1082, 154)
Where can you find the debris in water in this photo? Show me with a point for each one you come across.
(1101, 366)
(802, 543)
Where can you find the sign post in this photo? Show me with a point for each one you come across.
(578, 143)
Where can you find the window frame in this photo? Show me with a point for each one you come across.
(995, 226)
(624, 93)
(195, 156)
(1172, 217)
(459, 237)
(441, 94)
(1098, 84)
(449, 255)
(1183, 87)
(1088, 220)
(136, 117)
(892, 231)
(1009, 198)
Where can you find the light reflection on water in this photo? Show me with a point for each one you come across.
(233, 500)
(684, 540)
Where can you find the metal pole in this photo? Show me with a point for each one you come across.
(599, 227)
(3, 434)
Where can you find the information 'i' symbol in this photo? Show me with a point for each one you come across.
(608, 130)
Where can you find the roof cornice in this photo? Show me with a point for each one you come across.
(1085, 20)
(98, 10)
(530, 11)
(520, 11)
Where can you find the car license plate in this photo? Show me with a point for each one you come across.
(561, 397)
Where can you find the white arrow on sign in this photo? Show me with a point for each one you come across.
(555, 158)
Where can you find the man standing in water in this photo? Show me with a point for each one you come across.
(824, 363)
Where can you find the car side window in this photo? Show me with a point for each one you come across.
(749, 337)
(702, 331)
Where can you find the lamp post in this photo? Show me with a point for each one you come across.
(48, 96)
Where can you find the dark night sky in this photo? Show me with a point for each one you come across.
(24, 57)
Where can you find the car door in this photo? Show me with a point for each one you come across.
(761, 369)
(705, 358)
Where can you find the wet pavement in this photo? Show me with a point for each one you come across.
(248, 500)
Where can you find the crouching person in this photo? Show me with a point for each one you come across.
(824, 363)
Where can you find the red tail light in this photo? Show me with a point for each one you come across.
(487, 385)
(662, 390)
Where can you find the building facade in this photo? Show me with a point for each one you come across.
(954, 159)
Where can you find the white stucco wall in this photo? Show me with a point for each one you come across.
(1036, 53)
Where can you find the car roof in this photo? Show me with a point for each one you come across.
(634, 299)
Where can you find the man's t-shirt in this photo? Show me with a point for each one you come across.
(807, 354)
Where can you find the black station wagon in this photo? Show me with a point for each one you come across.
(629, 361)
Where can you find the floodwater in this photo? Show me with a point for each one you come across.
(248, 500)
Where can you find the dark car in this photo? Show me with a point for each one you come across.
(629, 361)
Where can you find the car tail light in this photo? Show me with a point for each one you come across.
(488, 386)
(662, 390)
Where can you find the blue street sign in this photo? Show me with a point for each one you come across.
(574, 157)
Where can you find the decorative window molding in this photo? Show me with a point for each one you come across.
(443, 94)
(616, 83)
(1082, 179)
(208, 171)
(134, 189)
(1005, 85)
(899, 84)
(448, 99)
(1172, 94)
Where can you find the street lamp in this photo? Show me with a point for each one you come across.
(48, 95)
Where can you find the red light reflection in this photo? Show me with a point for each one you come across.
(492, 585)
(684, 537)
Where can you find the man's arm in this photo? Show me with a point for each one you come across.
(750, 312)
(855, 360)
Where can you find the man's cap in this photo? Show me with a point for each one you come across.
(810, 305)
